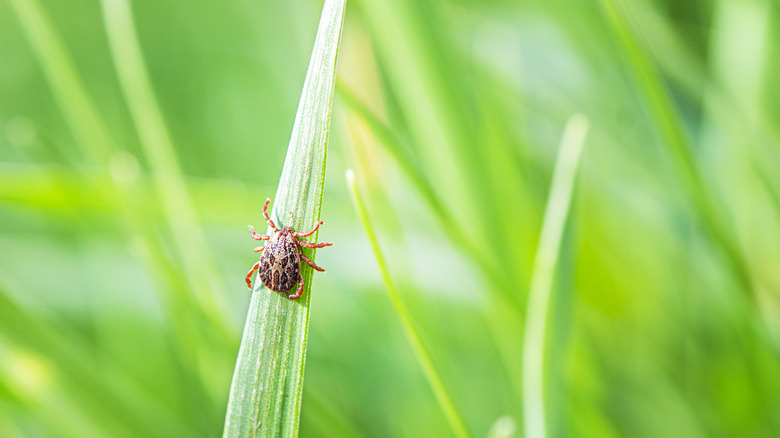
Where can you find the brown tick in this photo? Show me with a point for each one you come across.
(280, 265)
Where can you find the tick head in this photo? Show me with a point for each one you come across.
(286, 230)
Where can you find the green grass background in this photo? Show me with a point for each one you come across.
(666, 304)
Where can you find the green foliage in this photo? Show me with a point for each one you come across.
(138, 139)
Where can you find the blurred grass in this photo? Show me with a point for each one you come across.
(454, 418)
(556, 214)
(666, 301)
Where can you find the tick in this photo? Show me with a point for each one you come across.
(280, 265)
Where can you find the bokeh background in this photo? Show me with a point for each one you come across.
(122, 259)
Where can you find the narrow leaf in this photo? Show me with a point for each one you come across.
(678, 143)
(265, 397)
(412, 333)
(546, 260)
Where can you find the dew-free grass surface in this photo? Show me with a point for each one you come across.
(267, 389)
(123, 304)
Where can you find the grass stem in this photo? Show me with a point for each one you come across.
(546, 260)
(423, 356)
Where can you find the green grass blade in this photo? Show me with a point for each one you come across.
(543, 272)
(265, 396)
(392, 143)
(77, 108)
(160, 152)
(417, 175)
(423, 356)
(680, 147)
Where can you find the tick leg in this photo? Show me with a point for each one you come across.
(259, 248)
(309, 233)
(313, 245)
(255, 267)
(300, 289)
(265, 214)
(258, 236)
(311, 263)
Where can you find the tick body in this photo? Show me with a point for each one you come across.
(280, 265)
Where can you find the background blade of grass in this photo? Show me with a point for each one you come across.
(265, 397)
(67, 86)
(542, 279)
(159, 150)
(677, 141)
(412, 333)
(202, 286)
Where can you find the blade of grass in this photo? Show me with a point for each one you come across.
(68, 90)
(160, 152)
(404, 41)
(545, 262)
(201, 283)
(402, 155)
(265, 396)
(416, 173)
(423, 356)
(510, 319)
(678, 143)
